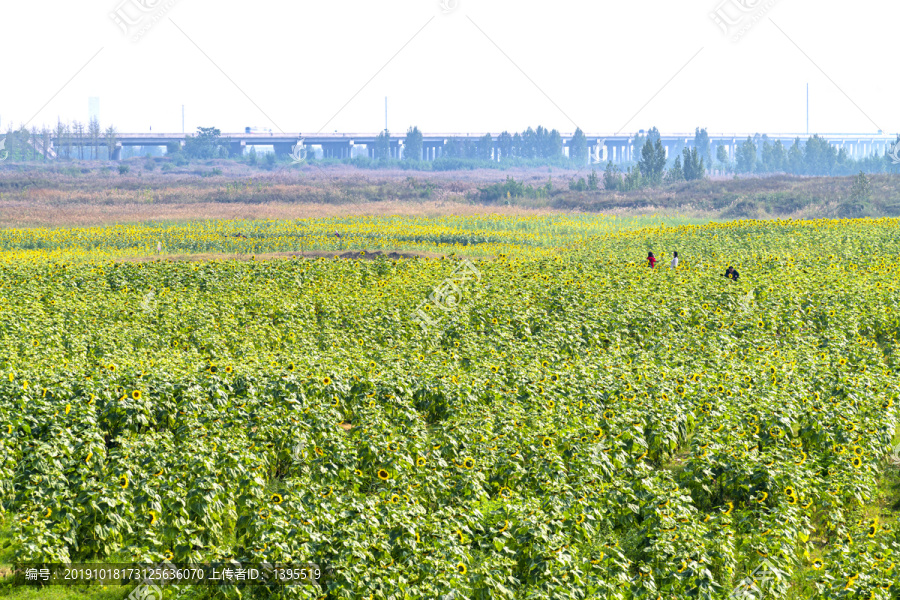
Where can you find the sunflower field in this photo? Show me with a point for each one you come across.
(577, 426)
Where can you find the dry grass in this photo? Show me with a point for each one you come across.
(83, 194)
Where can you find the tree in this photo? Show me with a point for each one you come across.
(68, 141)
(676, 173)
(552, 146)
(593, 180)
(60, 135)
(701, 143)
(46, 137)
(722, 156)
(94, 132)
(819, 157)
(34, 142)
(861, 190)
(452, 149)
(529, 143)
(795, 158)
(203, 144)
(111, 141)
(612, 180)
(412, 145)
(485, 147)
(746, 156)
(778, 157)
(383, 145)
(653, 161)
(578, 148)
(505, 145)
(694, 167)
(633, 179)
(78, 130)
(518, 146)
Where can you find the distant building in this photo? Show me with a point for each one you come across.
(93, 108)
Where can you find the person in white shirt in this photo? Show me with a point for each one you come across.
(674, 260)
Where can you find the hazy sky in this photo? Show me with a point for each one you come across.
(466, 66)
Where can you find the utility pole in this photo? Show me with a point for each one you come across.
(385, 114)
(807, 109)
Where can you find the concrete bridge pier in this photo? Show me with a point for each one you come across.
(282, 149)
(117, 152)
(237, 148)
(337, 150)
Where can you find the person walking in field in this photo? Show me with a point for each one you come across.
(674, 261)
(651, 259)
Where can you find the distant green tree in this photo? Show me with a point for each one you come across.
(578, 185)
(383, 145)
(701, 143)
(746, 156)
(204, 144)
(518, 146)
(862, 189)
(551, 145)
(819, 157)
(676, 173)
(529, 145)
(578, 148)
(638, 142)
(111, 138)
(722, 156)
(694, 167)
(95, 132)
(795, 158)
(778, 157)
(412, 145)
(485, 147)
(593, 180)
(653, 161)
(612, 180)
(60, 133)
(633, 179)
(505, 145)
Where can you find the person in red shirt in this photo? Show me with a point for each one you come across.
(651, 259)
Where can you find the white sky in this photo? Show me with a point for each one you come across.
(593, 64)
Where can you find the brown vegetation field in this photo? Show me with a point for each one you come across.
(88, 193)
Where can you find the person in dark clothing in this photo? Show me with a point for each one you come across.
(732, 274)
(651, 259)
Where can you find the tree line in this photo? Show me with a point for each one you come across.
(84, 141)
(816, 156)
